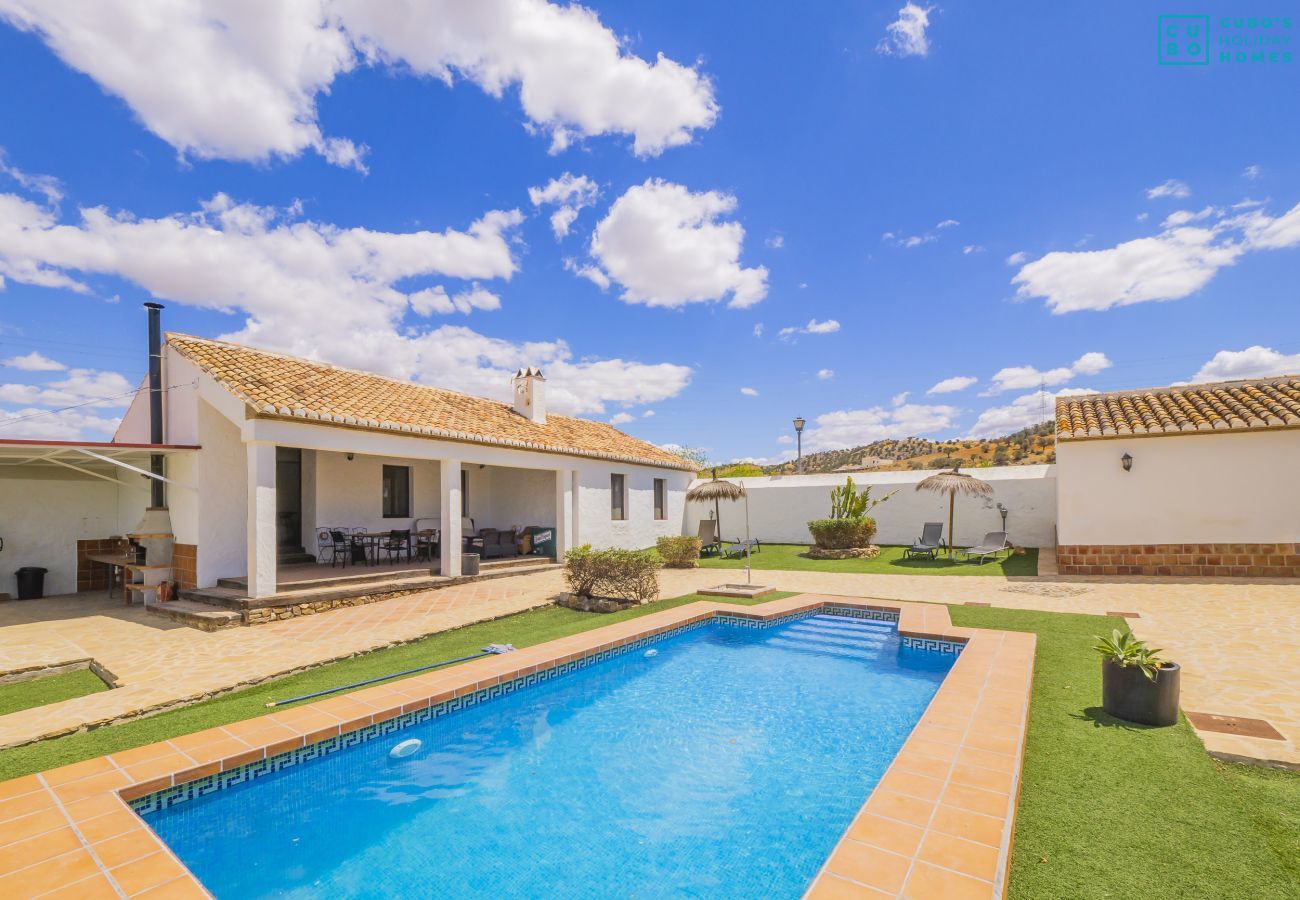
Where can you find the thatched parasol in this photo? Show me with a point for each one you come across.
(716, 490)
(954, 483)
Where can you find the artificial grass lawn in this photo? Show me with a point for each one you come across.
(889, 562)
(1107, 810)
(50, 689)
(1113, 810)
(523, 630)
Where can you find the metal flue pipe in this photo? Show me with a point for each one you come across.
(157, 487)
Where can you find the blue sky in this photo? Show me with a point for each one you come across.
(827, 211)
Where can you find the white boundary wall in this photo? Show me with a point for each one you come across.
(781, 505)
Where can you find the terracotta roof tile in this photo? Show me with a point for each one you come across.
(279, 386)
(1224, 406)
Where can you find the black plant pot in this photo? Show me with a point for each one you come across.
(1128, 694)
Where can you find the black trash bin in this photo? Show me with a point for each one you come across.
(31, 582)
(469, 563)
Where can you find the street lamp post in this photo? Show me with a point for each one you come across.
(798, 431)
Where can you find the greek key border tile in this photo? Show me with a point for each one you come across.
(152, 803)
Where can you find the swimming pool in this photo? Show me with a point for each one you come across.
(728, 763)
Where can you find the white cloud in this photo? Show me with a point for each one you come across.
(77, 386)
(236, 80)
(65, 425)
(569, 194)
(915, 240)
(972, 248)
(776, 241)
(1021, 377)
(648, 414)
(854, 427)
(1178, 261)
(785, 439)
(1017, 258)
(323, 292)
(953, 384)
(749, 392)
(1022, 412)
(825, 374)
(1141, 217)
(45, 185)
(621, 418)
(830, 326)
(948, 223)
(436, 300)
(1186, 216)
(758, 329)
(906, 36)
(34, 362)
(666, 246)
(1251, 172)
(1171, 188)
(1253, 362)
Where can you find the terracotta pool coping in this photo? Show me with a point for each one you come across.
(937, 825)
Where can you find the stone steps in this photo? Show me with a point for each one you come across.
(196, 615)
(369, 588)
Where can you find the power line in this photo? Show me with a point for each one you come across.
(97, 400)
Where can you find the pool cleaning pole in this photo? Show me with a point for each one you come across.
(489, 650)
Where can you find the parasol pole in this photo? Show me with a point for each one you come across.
(952, 499)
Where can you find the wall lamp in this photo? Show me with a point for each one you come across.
(350, 457)
(1127, 462)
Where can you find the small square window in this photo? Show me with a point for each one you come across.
(397, 492)
(661, 499)
(618, 497)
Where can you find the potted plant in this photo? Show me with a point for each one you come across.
(1136, 684)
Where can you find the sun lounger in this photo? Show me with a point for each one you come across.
(928, 543)
(994, 543)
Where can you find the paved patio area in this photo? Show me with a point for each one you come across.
(1236, 640)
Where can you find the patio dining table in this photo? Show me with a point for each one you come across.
(369, 542)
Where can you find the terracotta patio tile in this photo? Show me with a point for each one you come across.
(92, 807)
(832, 887)
(38, 848)
(986, 759)
(95, 784)
(995, 741)
(158, 766)
(944, 752)
(109, 825)
(967, 857)
(30, 825)
(135, 755)
(96, 887)
(989, 803)
(16, 787)
(909, 761)
(78, 770)
(886, 834)
(911, 784)
(869, 865)
(988, 779)
(970, 825)
(142, 874)
(145, 788)
(34, 880)
(183, 888)
(899, 806)
(929, 882)
(125, 848)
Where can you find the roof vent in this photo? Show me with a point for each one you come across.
(530, 394)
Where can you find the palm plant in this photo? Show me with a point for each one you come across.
(1124, 649)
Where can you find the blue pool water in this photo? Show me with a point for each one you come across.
(727, 764)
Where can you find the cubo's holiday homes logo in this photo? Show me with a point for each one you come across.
(1186, 40)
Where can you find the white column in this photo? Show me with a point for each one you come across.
(565, 531)
(449, 516)
(262, 542)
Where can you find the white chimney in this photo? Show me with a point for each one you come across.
(530, 394)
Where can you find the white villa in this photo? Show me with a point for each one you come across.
(263, 451)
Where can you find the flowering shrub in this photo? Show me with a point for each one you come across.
(841, 534)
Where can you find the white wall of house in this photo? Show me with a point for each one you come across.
(1195, 488)
(349, 493)
(781, 506)
(596, 525)
(42, 518)
(515, 497)
(222, 497)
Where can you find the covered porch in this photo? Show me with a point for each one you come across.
(339, 505)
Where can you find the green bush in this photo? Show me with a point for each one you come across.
(679, 552)
(614, 574)
(842, 534)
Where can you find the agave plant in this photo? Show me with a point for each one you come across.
(847, 502)
(1124, 649)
